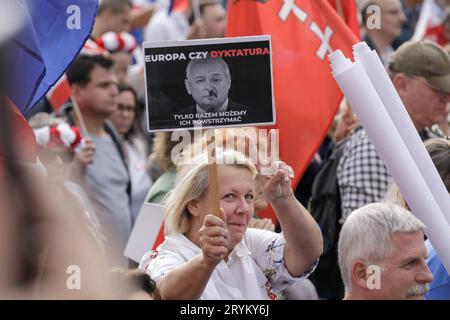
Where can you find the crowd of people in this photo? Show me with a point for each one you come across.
(101, 165)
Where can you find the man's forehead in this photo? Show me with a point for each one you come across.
(102, 75)
(406, 244)
(208, 67)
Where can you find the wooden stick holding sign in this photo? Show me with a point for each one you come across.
(77, 110)
(212, 177)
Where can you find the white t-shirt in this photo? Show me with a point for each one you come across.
(255, 269)
(165, 27)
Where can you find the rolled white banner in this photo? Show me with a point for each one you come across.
(397, 112)
(362, 96)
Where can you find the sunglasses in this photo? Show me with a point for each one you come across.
(50, 156)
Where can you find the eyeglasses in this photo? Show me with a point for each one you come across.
(122, 109)
(50, 156)
(439, 92)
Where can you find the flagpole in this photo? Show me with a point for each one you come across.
(212, 177)
(76, 108)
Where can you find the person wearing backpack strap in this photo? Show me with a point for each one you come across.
(107, 180)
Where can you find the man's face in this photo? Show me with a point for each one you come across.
(405, 275)
(426, 105)
(215, 19)
(208, 85)
(392, 17)
(119, 22)
(99, 96)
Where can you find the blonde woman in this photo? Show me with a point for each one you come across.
(209, 257)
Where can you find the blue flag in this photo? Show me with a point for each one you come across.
(53, 33)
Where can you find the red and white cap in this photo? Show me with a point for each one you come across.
(117, 42)
(63, 134)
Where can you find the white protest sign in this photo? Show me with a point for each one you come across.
(145, 231)
(209, 83)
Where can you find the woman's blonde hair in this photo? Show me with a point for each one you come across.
(192, 183)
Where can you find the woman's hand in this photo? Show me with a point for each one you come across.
(277, 187)
(214, 238)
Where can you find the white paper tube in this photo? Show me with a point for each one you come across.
(397, 111)
(362, 96)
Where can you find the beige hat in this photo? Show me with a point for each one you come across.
(425, 59)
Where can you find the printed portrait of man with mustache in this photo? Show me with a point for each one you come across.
(208, 81)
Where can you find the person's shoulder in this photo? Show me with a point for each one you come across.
(359, 142)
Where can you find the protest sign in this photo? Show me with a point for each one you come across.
(210, 83)
(145, 232)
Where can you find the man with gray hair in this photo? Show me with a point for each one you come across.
(382, 254)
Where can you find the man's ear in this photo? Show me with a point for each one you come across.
(193, 208)
(359, 274)
(401, 84)
(76, 90)
(188, 88)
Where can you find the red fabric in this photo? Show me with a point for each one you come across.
(436, 34)
(78, 137)
(306, 95)
(180, 5)
(55, 137)
(121, 43)
(59, 94)
(24, 141)
(159, 238)
(350, 14)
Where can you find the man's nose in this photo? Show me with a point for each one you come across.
(113, 89)
(424, 275)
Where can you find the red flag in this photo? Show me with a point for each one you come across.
(348, 11)
(59, 93)
(306, 95)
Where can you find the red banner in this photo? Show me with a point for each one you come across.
(306, 95)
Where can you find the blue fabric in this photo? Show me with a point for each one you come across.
(440, 287)
(43, 49)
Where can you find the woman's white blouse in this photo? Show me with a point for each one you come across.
(255, 269)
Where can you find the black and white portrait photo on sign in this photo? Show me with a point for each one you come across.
(209, 83)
